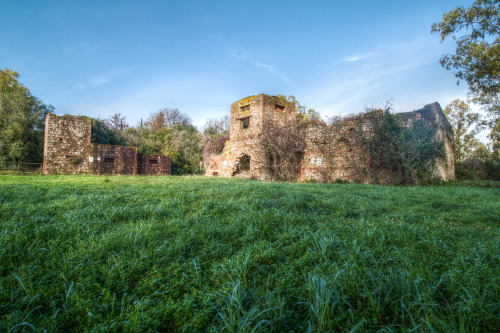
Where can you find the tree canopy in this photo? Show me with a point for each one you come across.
(22, 119)
(476, 31)
(466, 125)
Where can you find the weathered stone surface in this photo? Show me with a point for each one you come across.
(250, 117)
(153, 165)
(68, 150)
(332, 152)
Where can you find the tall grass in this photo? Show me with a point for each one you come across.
(135, 254)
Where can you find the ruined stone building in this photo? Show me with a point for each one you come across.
(68, 149)
(331, 152)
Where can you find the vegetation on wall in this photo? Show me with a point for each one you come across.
(406, 155)
(284, 148)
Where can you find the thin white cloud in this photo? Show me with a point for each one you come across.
(242, 55)
(98, 80)
(358, 57)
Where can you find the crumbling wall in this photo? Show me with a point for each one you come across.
(250, 117)
(66, 144)
(433, 115)
(68, 150)
(332, 152)
(340, 151)
(153, 165)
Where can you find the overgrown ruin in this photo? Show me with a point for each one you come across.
(336, 152)
(68, 150)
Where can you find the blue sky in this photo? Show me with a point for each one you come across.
(97, 58)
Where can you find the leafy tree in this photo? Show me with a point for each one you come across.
(476, 61)
(466, 125)
(167, 117)
(103, 134)
(303, 115)
(22, 119)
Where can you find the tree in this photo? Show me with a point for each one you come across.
(303, 115)
(215, 127)
(466, 124)
(116, 122)
(22, 119)
(167, 117)
(476, 61)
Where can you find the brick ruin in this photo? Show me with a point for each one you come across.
(243, 154)
(68, 150)
(331, 153)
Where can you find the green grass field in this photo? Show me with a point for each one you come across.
(139, 254)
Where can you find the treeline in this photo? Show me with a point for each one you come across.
(170, 132)
(474, 160)
(166, 132)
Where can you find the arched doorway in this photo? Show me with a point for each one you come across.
(242, 167)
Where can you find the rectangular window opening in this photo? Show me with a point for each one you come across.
(245, 108)
(245, 123)
(109, 160)
(279, 108)
(153, 161)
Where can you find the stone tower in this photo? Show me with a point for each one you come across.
(243, 154)
(66, 144)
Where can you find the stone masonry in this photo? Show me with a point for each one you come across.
(332, 152)
(243, 156)
(68, 150)
(337, 152)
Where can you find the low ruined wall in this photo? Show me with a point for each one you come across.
(68, 150)
(153, 165)
(338, 151)
(109, 159)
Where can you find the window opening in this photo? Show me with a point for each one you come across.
(245, 108)
(245, 123)
(279, 108)
(109, 160)
(153, 161)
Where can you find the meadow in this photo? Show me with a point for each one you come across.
(160, 254)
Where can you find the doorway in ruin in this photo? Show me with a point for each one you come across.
(242, 167)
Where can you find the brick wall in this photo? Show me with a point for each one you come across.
(153, 165)
(109, 159)
(332, 152)
(339, 151)
(68, 150)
